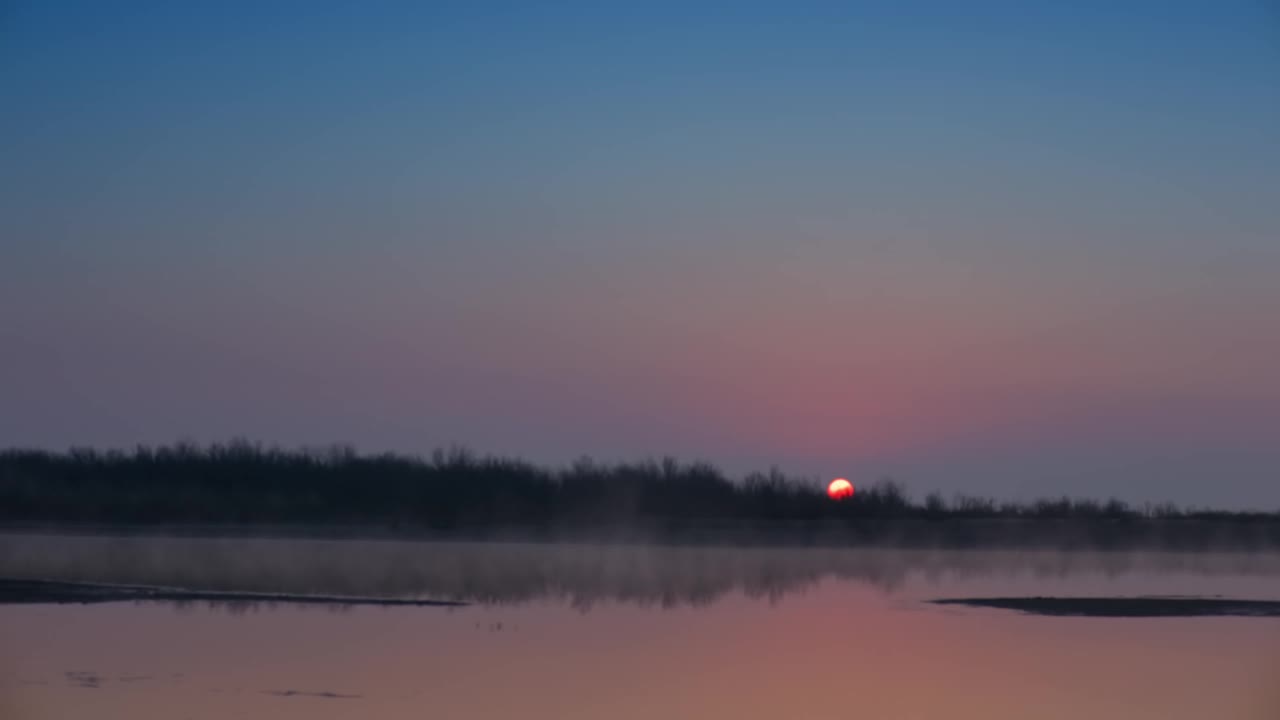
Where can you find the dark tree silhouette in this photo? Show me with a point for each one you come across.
(457, 492)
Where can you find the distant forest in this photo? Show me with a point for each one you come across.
(459, 493)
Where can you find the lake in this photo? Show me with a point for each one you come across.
(600, 631)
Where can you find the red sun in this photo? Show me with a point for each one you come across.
(839, 489)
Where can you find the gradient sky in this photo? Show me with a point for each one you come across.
(1009, 248)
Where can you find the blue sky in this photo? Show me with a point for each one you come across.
(1009, 248)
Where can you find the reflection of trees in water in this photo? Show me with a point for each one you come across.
(581, 576)
(253, 607)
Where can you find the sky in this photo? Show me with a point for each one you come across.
(1003, 248)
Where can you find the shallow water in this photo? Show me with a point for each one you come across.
(627, 632)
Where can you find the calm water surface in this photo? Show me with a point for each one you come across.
(564, 632)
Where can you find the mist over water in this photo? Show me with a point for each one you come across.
(580, 575)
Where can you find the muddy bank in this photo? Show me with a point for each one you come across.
(1129, 607)
(14, 591)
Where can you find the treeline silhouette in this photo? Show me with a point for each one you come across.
(458, 492)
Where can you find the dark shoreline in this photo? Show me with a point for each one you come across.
(1184, 535)
(22, 592)
(1125, 607)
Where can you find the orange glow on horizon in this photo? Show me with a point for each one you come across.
(839, 489)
